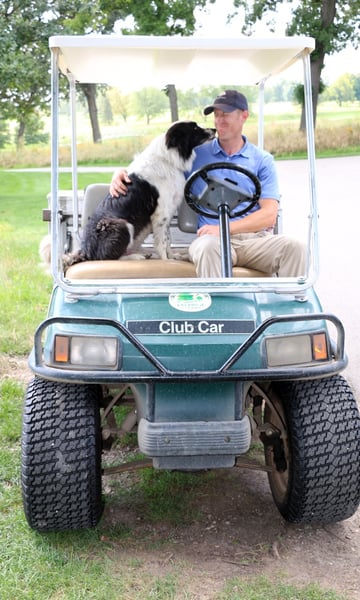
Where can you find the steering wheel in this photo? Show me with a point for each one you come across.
(221, 191)
(225, 198)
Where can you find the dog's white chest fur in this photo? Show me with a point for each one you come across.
(164, 168)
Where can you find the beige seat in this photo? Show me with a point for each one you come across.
(143, 269)
(152, 268)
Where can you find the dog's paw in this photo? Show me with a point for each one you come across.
(72, 259)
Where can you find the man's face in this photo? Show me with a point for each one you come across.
(229, 123)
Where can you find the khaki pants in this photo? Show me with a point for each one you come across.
(263, 251)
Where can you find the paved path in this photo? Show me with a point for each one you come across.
(338, 183)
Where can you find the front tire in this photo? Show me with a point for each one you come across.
(61, 456)
(316, 459)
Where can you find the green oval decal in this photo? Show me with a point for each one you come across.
(190, 302)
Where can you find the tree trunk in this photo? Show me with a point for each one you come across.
(89, 90)
(171, 92)
(20, 135)
(328, 11)
(316, 67)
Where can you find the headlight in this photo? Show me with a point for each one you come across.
(300, 349)
(84, 352)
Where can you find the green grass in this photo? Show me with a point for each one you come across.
(263, 589)
(25, 289)
(100, 564)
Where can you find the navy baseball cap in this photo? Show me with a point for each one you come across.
(227, 102)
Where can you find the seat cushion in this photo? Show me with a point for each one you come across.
(143, 269)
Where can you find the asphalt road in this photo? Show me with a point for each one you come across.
(338, 286)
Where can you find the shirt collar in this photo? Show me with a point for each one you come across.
(244, 151)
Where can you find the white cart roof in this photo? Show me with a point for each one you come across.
(134, 62)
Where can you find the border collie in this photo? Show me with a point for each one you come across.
(119, 225)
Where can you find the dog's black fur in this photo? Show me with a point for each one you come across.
(107, 234)
(120, 225)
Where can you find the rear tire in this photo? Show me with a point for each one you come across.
(61, 456)
(320, 443)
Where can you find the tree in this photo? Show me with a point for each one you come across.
(149, 102)
(24, 79)
(89, 91)
(343, 89)
(170, 91)
(333, 24)
(119, 103)
(25, 26)
(357, 87)
(158, 17)
(105, 109)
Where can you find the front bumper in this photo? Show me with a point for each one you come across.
(153, 369)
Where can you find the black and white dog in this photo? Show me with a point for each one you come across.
(120, 225)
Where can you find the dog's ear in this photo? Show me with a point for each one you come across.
(180, 136)
(173, 136)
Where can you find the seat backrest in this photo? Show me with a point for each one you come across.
(187, 218)
(94, 193)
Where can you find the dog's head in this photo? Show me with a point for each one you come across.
(186, 135)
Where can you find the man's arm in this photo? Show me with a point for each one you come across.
(264, 218)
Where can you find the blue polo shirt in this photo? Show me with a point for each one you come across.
(259, 162)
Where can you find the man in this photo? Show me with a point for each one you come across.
(253, 244)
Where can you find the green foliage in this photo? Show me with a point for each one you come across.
(333, 23)
(357, 87)
(34, 133)
(298, 91)
(4, 133)
(159, 17)
(343, 89)
(24, 76)
(120, 103)
(149, 103)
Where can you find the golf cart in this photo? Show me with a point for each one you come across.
(199, 367)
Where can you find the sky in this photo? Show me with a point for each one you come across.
(214, 25)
